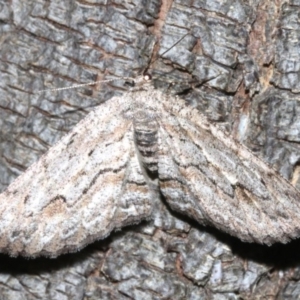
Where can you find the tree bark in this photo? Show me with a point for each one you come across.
(238, 63)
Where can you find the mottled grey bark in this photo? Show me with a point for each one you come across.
(242, 58)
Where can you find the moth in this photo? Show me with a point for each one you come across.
(127, 153)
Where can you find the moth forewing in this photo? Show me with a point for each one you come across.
(107, 172)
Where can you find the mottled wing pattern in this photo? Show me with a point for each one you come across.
(217, 181)
(85, 186)
(102, 176)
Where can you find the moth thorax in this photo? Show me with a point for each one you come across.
(146, 139)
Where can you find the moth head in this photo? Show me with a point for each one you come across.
(140, 81)
(147, 77)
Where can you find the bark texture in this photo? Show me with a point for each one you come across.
(243, 60)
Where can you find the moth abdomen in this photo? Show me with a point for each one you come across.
(146, 140)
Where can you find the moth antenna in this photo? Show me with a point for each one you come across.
(84, 84)
(174, 44)
(109, 80)
(152, 62)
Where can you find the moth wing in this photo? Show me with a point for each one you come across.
(218, 181)
(85, 186)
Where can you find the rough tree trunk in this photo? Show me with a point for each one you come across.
(243, 58)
